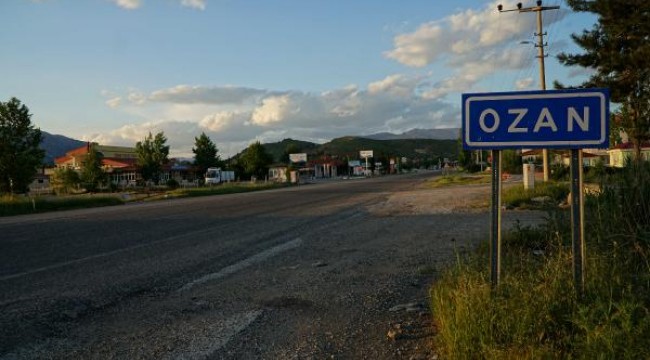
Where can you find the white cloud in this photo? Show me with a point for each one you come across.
(274, 109)
(183, 112)
(114, 102)
(471, 71)
(195, 4)
(135, 4)
(397, 84)
(524, 84)
(468, 33)
(344, 102)
(136, 97)
(128, 4)
(206, 94)
(470, 44)
(221, 121)
(420, 48)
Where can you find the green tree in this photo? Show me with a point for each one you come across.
(64, 180)
(511, 161)
(255, 160)
(465, 157)
(20, 154)
(92, 173)
(152, 155)
(618, 49)
(205, 153)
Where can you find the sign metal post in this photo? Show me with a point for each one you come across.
(562, 119)
(495, 233)
(577, 221)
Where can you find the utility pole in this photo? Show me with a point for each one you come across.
(540, 54)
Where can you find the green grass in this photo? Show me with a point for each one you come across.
(457, 179)
(517, 196)
(19, 205)
(230, 188)
(23, 205)
(535, 312)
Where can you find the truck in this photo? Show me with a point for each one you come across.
(214, 176)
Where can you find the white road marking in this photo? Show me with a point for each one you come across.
(228, 270)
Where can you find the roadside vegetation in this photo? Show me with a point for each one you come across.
(224, 189)
(20, 205)
(535, 312)
(457, 179)
(543, 195)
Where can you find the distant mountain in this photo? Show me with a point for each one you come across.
(57, 145)
(435, 134)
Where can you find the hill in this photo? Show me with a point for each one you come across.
(277, 149)
(410, 148)
(349, 147)
(57, 145)
(436, 134)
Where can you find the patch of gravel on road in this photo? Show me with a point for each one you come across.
(447, 200)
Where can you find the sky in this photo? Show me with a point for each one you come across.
(111, 71)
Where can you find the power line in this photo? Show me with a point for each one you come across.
(539, 9)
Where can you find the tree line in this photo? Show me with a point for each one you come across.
(21, 156)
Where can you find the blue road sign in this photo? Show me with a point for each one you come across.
(566, 119)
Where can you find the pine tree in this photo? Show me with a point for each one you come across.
(20, 154)
(618, 49)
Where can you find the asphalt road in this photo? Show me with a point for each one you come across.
(302, 272)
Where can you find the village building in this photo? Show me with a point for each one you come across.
(621, 153)
(278, 173)
(119, 162)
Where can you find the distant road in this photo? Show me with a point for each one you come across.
(308, 271)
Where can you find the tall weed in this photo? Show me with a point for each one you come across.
(535, 312)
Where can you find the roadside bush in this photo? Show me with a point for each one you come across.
(620, 221)
(472, 168)
(172, 184)
(535, 312)
(560, 172)
(112, 187)
(64, 181)
(517, 196)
